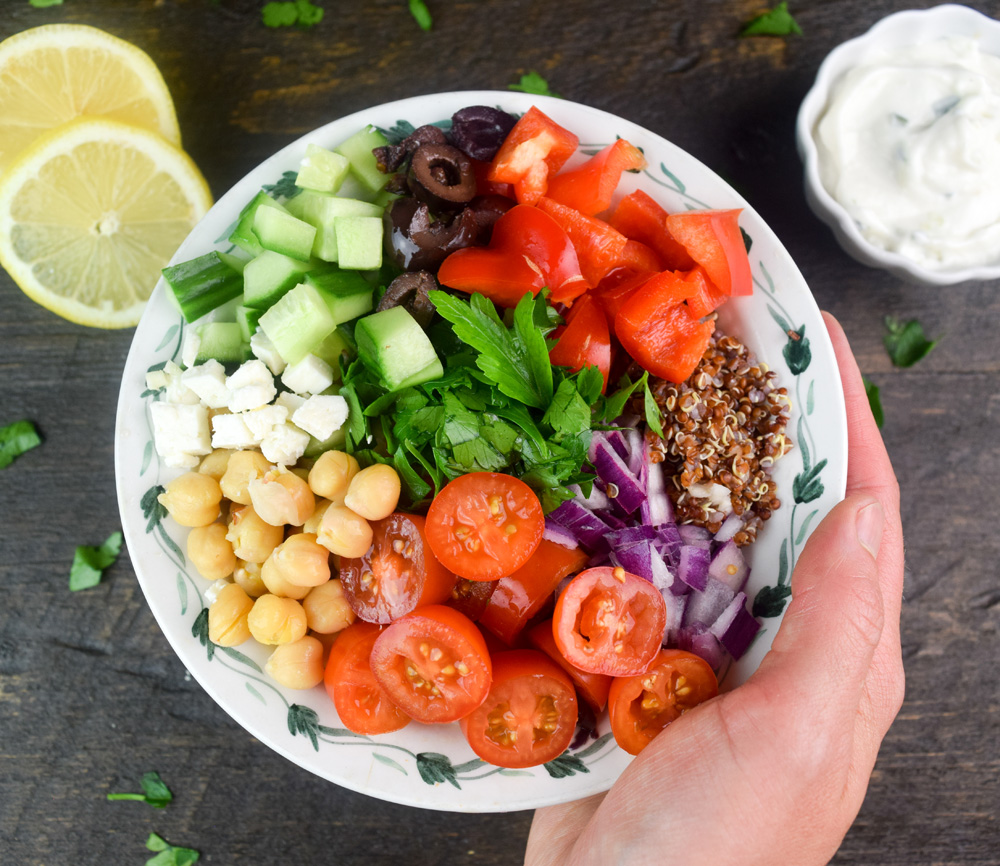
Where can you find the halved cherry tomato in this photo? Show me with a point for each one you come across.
(485, 525)
(527, 252)
(534, 150)
(398, 573)
(593, 688)
(470, 597)
(589, 188)
(529, 716)
(433, 663)
(640, 218)
(642, 706)
(585, 341)
(608, 621)
(714, 240)
(362, 704)
(705, 297)
(599, 247)
(521, 595)
(659, 331)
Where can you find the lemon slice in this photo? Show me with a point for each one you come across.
(91, 212)
(52, 74)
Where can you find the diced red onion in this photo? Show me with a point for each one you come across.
(693, 567)
(729, 566)
(612, 469)
(707, 606)
(700, 641)
(635, 559)
(675, 615)
(662, 577)
(597, 499)
(657, 509)
(730, 526)
(636, 456)
(736, 627)
(696, 536)
(588, 529)
(559, 535)
(616, 439)
(630, 535)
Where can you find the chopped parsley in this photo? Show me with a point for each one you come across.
(15, 439)
(154, 792)
(89, 562)
(421, 14)
(906, 342)
(532, 82)
(874, 401)
(286, 14)
(42, 4)
(775, 22)
(169, 855)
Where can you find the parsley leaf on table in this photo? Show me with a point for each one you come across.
(15, 439)
(89, 562)
(532, 82)
(874, 401)
(906, 342)
(154, 792)
(421, 14)
(285, 14)
(775, 22)
(42, 4)
(169, 855)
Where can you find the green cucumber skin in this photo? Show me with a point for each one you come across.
(282, 233)
(358, 150)
(394, 347)
(320, 210)
(347, 293)
(243, 235)
(202, 284)
(222, 341)
(248, 318)
(269, 276)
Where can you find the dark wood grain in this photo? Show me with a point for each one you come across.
(91, 696)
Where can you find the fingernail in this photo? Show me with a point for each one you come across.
(870, 521)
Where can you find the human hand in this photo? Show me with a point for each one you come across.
(775, 771)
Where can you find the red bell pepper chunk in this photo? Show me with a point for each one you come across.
(589, 188)
(640, 218)
(527, 252)
(713, 239)
(534, 150)
(659, 331)
(615, 289)
(600, 248)
(485, 186)
(706, 296)
(585, 341)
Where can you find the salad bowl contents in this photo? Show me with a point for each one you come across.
(478, 408)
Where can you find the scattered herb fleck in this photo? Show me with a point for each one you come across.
(15, 439)
(154, 792)
(286, 14)
(871, 389)
(89, 562)
(421, 14)
(532, 82)
(906, 342)
(42, 4)
(775, 22)
(169, 855)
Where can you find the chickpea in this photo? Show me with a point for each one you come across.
(210, 552)
(297, 665)
(282, 497)
(215, 463)
(278, 584)
(192, 499)
(345, 533)
(331, 475)
(247, 575)
(227, 617)
(301, 560)
(374, 492)
(252, 538)
(316, 518)
(326, 607)
(275, 620)
(242, 468)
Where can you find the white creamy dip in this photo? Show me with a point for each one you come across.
(910, 146)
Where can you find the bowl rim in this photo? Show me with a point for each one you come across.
(897, 28)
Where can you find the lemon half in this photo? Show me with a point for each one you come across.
(52, 74)
(91, 212)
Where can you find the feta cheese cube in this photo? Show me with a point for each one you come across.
(309, 376)
(321, 415)
(285, 444)
(250, 387)
(190, 347)
(260, 421)
(180, 432)
(263, 349)
(181, 461)
(208, 381)
(176, 391)
(231, 431)
(290, 401)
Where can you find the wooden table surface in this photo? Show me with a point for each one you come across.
(92, 696)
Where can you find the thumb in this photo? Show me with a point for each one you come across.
(826, 641)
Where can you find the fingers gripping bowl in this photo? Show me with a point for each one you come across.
(432, 766)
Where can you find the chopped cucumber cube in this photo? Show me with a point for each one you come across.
(243, 235)
(330, 350)
(202, 284)
(358, 150)
(347, 293)
(322, 170)
(394, 347)
(247, 318)
(237, 263)
(320, 210)
(269, 276)
(359, 242)
(283, 233)
(222, 341)
(336, 442)
(298, 322)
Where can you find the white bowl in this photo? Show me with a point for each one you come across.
(432, 766)
(893, 32)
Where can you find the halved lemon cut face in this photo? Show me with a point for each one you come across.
(89, 215)
(52, 74)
